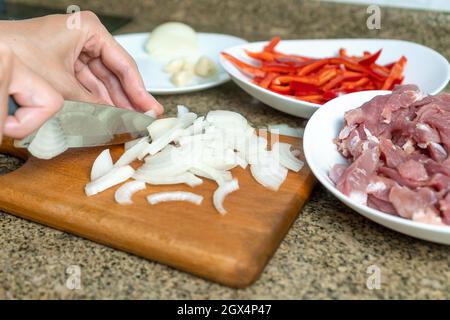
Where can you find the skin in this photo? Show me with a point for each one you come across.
(43, 62)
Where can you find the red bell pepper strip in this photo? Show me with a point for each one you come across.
(367, 61)
(244, 67)
(288, 79)
(267, 80)
(278, 67)
(280, 89)
(356, 67)
(396, 73)
(313, 98)
(380, 69)
(326, 76)
(346, 75)
(290, 58)
(355, 84)
(263, 55)
(270, 47)
(304, 89)
(312, 67)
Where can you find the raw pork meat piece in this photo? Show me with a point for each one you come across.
(398, 150)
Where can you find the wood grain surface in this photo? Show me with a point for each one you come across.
(231, 249)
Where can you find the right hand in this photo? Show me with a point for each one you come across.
(38, 100)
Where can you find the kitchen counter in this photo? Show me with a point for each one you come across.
(328, 250)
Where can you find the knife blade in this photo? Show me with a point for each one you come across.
(90, 124)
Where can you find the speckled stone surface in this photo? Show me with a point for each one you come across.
(328, 249)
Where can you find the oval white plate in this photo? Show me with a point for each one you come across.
(157, 81)
(425, 67)
(321, 154)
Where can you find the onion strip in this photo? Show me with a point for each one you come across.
(221, 192)
(174, 196)
(112, 178)
(287, 158)
(125, 192)
(102, 165)
(186, 178)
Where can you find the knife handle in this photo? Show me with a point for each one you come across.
(12, 106)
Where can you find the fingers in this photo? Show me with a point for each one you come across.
(93, 84)
(102, 45)
(5, 79)
(112, 84)
(37, 99)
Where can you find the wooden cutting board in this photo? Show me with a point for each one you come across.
(231, 249)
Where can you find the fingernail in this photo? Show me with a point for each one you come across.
(158, 107)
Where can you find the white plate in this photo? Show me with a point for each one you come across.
(321, 154)
(157, 81)
(425, 67)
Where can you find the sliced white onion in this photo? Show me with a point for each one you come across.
(172, 168)
(186, 148)
(241, 161)
(181, 109)
(287, 158)
(102, 165)
(186, 178)
(205, 171)
(226, 119)
(174, 196)
(49, 141)
(221, 192)
(167, 154)
(183, 122)
(112, 178)
(128, 145)
(269, 176)
(159, 127)
(196, 128)
(132, 154)
(124, 194)
(219, 158)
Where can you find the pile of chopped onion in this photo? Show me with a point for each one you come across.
(187, 148)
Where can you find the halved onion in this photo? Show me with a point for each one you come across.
(221, 192)
(102, 165)
(124, 194)
(49, 141)
(112, 178)
(174, 196)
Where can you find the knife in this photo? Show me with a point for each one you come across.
(89, 124)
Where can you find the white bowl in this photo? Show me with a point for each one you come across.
(425, 67)
(321, 154)
(157, 81)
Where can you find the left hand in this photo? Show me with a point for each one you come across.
(84, 64)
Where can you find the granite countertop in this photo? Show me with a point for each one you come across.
(329, 248)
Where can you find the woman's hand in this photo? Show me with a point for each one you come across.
(84, 64)
(37, 98)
